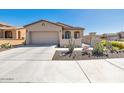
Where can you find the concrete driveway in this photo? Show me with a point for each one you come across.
(26, 64)
(29, 53)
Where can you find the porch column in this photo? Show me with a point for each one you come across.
(72, 34)
(28, 37)
(3, 33)
(13, 34)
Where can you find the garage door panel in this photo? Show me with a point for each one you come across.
(44, 38)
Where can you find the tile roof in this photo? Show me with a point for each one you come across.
(4, 24)
(64, 26)
(7, 27)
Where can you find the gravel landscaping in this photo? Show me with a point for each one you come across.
(77, 55)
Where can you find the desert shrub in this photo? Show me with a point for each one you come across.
(103, 42)
(85, 50)
(71, 46)
(6, 45)
(105, 49)
(110, 44)
(117, 44)
(115, 48)
(98, 49)
(121, 46)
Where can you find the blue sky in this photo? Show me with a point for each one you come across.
(100, 21)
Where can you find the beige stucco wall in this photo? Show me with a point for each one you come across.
(14, 33)
(52, 27)
(14, 40)
(87, 39)
(65, 42)
(44, 37)
(91, 39)
(22, 34)
(39, 27)
(11, 41)
(2, 32)
(47, 27)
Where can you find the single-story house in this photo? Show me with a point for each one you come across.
(121, 34)
(44, 32)
(11, 34)
(111, 36)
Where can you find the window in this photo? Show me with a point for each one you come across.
(67, 35)
(76, 35)
(43, 24)
(19, 35)
(8, 34)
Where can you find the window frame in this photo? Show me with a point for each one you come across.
(77, 35)
(67, 35)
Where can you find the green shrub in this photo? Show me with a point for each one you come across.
(111, 44)
(121, 46)
(115, 48)
(6, 45)
(117, 44)
(98, 49)
(103, 42)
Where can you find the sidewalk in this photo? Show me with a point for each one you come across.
(88, 71)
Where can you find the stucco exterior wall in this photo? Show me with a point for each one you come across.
(2, 33)
(22, 33)
(46, 26)
(14, 33)
(12, 41)
(87, 39)
(91, 39)
(65, 42)
(40, 27)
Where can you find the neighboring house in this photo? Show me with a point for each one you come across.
(91, 39)
(11, 34)
(121, 34)
(111, 36)
(44, 32)
(88, 38)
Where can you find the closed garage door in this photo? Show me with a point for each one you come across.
(44, 38)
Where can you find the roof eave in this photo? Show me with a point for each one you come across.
(74, 28)
(41, 21)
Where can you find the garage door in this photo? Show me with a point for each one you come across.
(44, 38)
